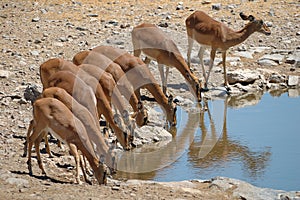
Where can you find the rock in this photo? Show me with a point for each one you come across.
(4, 73)
(150, 133)
(216, 6)
(163, 24)
(183, 101)
(35, 19)
(243, 76)
(243, 190)
(293, 80)
(245, 54)
(269, 24)
(115, 188)
(259, 49)
(294, 59)
(267, 62)
(206, 2)
(278, 58)
(34, 53)
(92, 15)
(276, 78)
(58, 44)
(81, 28)
(179, 7)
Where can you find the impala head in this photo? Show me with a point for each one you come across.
(257, 24)
(101, 173)
(171, 112)
(141, 116)
(119, 121)
(197, 85)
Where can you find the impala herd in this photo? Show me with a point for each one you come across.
(99, 82)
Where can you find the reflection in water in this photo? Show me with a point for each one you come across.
(142, 165)
(205, 146)
(227, 149)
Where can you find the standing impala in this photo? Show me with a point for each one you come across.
(52, 115)
(211, 33)
(153, 42)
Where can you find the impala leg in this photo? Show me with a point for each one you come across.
(211, 64)
(37, 134)
(29, 157)
(166, 78)
(189, 51)
(163, 78)
(84, 169)
(27, 138)
(74, 152)
(224, 68)
(38, 153)
(48, 146)
(200, 54)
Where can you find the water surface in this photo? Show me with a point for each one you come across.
(254, 138)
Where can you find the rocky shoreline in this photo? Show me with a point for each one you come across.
(33, 32)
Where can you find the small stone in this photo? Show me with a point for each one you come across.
(132, 195)
(63, 39)
(113, 22)
(34, 53)
(164, 25)
(298, 33)
(179, 7)
(216, 6)
(115, 188)
(206, 2)
(92, 15)
(35, 19)
(269, 24)
(58, 44)
(4, 74)
(81, 28)
(155, 139)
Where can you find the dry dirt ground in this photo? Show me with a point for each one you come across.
(34, 31)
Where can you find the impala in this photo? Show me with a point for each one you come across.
(140, 77)
(101, 61)
(107, 83)
(51, 115)
(75, 87)
(153, 42)
(211, 33)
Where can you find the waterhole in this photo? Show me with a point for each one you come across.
(255, 138)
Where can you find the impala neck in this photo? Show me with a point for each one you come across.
(240, 36)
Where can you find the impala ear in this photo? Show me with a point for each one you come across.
(251, 18)
(170, 99)
(245, 17)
